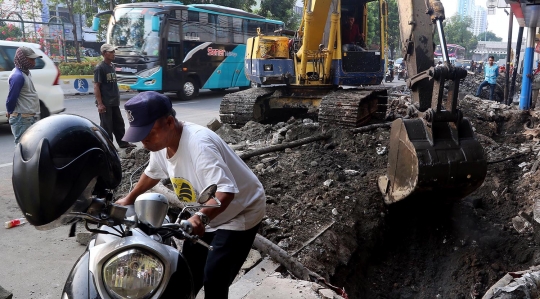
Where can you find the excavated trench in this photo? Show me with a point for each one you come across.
(324, 207)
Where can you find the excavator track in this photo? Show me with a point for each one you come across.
(351, 107)
(238, 108)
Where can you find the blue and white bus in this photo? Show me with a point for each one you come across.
(171, 47)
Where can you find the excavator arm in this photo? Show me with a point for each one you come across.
(436, 154)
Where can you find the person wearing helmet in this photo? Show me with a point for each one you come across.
(193, 157)
(22, 104)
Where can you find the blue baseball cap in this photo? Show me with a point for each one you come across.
(142, 112)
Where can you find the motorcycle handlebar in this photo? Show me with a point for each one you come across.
(185, 228)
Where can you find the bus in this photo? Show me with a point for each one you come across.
(171, 47)
(454, 51)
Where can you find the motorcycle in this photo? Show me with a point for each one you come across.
(402, 73)
(132, 254)
(389, 76)
(135, 257)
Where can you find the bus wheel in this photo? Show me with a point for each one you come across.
(189, 90)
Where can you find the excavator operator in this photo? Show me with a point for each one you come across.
(351, 37)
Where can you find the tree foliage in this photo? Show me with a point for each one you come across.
(393, 35)
(9, 32)
(282, 10)
(456, 32)
(488, 36)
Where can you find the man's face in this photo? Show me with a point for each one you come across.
(109, 55)
(351, 21)
(157, 138)
(490, 60)
(32, 62)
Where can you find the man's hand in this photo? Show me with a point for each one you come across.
(7, 115)
(198, 226)
(124, 202)
(101, 108)
(530, 76)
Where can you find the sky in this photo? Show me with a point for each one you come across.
(497, 23)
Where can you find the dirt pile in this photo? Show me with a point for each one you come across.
(324, 207)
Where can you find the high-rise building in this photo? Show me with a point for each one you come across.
(466, 8)
(479, 20)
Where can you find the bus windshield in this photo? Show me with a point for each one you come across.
(132, 31)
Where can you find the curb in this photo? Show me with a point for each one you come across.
(76, 85)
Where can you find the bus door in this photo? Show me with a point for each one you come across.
(171, 60)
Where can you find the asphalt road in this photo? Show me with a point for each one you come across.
(35, 264)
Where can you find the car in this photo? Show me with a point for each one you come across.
(45, 76)
(398, 61)
(89, 52)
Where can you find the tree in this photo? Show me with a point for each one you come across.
(457, 33)
(281, 10)
(393, 34)
(74, 7)
(488, 36)
(9, 32)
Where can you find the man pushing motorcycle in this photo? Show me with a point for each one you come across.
(193, 157)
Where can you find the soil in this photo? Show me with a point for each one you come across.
(422, 248)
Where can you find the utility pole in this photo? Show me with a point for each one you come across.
(508, 54)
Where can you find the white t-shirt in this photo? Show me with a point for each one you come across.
(202, 159)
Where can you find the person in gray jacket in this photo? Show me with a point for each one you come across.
(22, 104)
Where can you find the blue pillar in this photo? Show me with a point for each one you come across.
(525, 98)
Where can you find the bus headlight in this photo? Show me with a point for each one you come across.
(268, 67)
(132, 274)
(149, 72)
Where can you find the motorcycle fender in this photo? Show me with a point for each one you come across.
(80, 282)
(181, 283)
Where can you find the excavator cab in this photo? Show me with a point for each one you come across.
(435, 154)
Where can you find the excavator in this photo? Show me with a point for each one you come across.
(434, 155)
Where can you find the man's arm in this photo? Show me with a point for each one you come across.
(16, 83)
(224, 197)
(97, 91)
(144, 184)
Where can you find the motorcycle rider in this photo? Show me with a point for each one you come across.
(402, 69)
(193, 157)
(390, 76)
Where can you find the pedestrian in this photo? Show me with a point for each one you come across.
(22, 103)
(193, 157)
(535, 83)
(480, 67)
(473, 66)
(108, 97)
(491, 72)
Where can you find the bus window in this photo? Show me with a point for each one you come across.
(173, 46)
(223, 29)
(193, 16)
(237, 30)
(252, 27)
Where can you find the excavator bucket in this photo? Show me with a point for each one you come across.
(444, 161)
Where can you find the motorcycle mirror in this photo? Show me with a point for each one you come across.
(208, 193)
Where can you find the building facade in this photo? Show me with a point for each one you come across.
(479, 20)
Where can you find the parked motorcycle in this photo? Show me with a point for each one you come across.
(63, 170)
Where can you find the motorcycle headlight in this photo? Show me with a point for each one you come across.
(132, 274)
(149, 72)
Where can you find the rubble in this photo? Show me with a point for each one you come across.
(324, 207)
